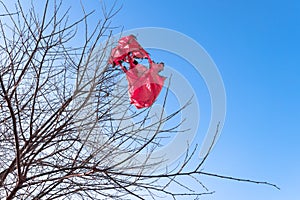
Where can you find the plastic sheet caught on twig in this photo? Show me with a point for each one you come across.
(144, 84)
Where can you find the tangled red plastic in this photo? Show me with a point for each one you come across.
(144, 84)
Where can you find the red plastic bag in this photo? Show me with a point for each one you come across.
(144, 83)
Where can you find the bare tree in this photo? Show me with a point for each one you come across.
(61, 131)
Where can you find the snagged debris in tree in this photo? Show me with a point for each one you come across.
(144, 83)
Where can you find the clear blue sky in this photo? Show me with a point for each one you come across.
(256, 46)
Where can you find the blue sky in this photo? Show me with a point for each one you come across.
(255, 45)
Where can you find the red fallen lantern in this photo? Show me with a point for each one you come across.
(144, 84)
